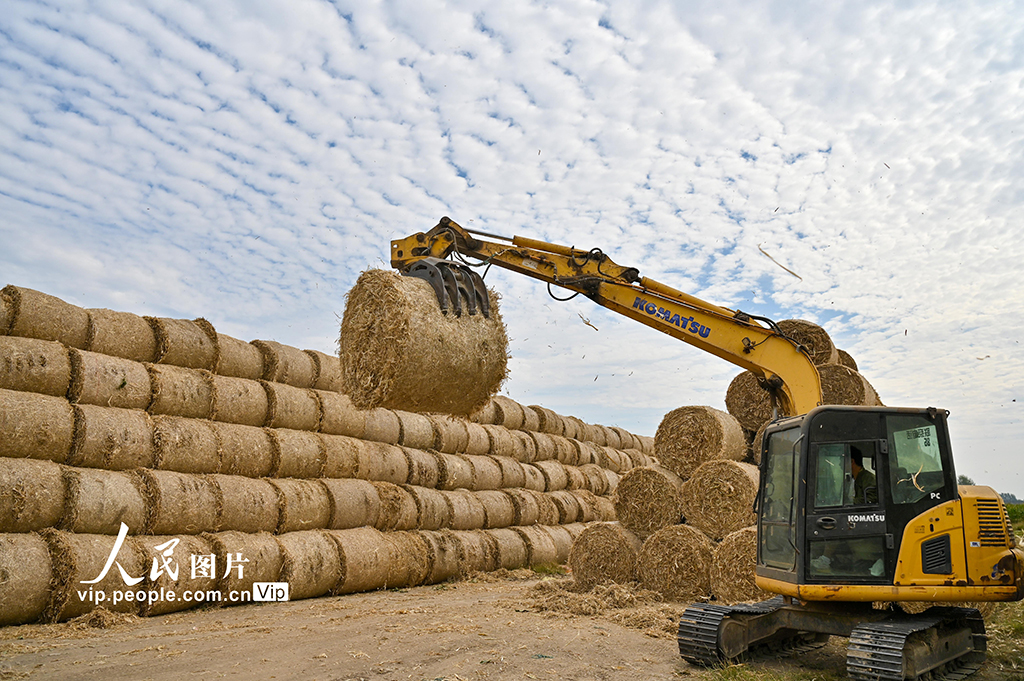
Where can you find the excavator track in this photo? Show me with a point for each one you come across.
(880, 651)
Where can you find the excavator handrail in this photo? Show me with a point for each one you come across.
(783, 365)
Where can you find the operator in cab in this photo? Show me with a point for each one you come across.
(865, 488)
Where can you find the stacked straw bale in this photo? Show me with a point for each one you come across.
(246, 455)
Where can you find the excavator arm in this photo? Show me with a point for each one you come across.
(782, 365)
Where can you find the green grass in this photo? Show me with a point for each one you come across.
(1016, 512)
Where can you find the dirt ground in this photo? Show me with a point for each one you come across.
(476, 629)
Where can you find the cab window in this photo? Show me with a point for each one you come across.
(915, 460)
(845, 475)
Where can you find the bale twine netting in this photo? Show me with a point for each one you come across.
(415, 430)
(512, 551)
(568, 505)
(533, 478)
(25, 587)
(180, 503)
(843, 385)
(339, 416)
(540, 546)
(486, 413)
(121, 334)
(304, 505)
(109, 381)
(285, 364)
(34, 366)
(240, 401)
(354, 503)
(466, 510)
(675, 561)
(604, 552)
(35, 426)
(299, 454)
(185, 343)
(648, 499)
(179, 391)
(382, 463)
(185, 445)
(291, 407)
(32, 314)
(487, 473)
(433, 511)
(398, 349)
(478, 440)
(78, 560)
(245, 450)
(689, 436)
(548, 420)
(555, 477)
(247, 504)
(499, 510)
(525, 447)
(239, 359)
(512, 472)
(719, 498)
(31, 495)
(365, 556)
(846, 359)
(451, 433)
(454, 472)
(733, 568)
(312, 563)
(199, 582)
(510, 413)
(502, 442)
(748, 402)
(328, 371)
(424, 469)
(543, 446)
(115, 439)
(98, 501)
(341, 456)
(815, 340)
(243, 558)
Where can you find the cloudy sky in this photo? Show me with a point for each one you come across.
(244, 161)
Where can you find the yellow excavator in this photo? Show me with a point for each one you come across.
(856, 505)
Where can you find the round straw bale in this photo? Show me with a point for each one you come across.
(479, 552)
(512, 473)
(35, 426)
(239, 400)
(603, 553)
(239, 359)
(589, 453)
(613, 480)
(757, 443)
(179, 391)
(732, 568)
(34, 366)
(285, 364)
(540, 545)
(185, 445)
(339, 416)
(450, 432)
(410, 561)
(415, 430)
(478, 441)
(544, 445)
(37, 315)
(245, 450)
(454, 472)
(399, 350)
(747, 401)
(366, 556)
(432, 509)
(611, 437)
(498, 508)
(25, 587)
(570, 427)
(814, 338)
(502, 443)
(555, 477)
(614, 460)
(647, 443)
(846, 359)
(531, 421)
(487, 473)
(444, 552)
(719, 498)
(466, 510)
(512, 551)
(254, 557)
(525, 506)
(486, 413)
(185, 343)
(5, 316)
(525, 447)
(98, 501)
(575, 478)
(31, 495)
(423, 467)
(565, 450)
(548, 510)
(625, 438)
(842, 385)
(596, 481)
(383, 425)
(550, 421)
(78, 558)
(328, 371)
(689, 436)
(121, 334)
(675, 561)
(533, 477)
(247, 505)
(604, 508)
(291, 407)
(354, 503)
(341, 456)
(299, 454)
(397, 508)
(568, 506)
(510, 412)
(648, 499)
(116, 439)
(108, 381)
(312, 563)
(180, 503)
(381, 463)
(588, 506)
(304, 504)
(638, 459)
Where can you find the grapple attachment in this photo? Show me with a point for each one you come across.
(457, 287)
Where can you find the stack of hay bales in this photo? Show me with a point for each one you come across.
(247, 459)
